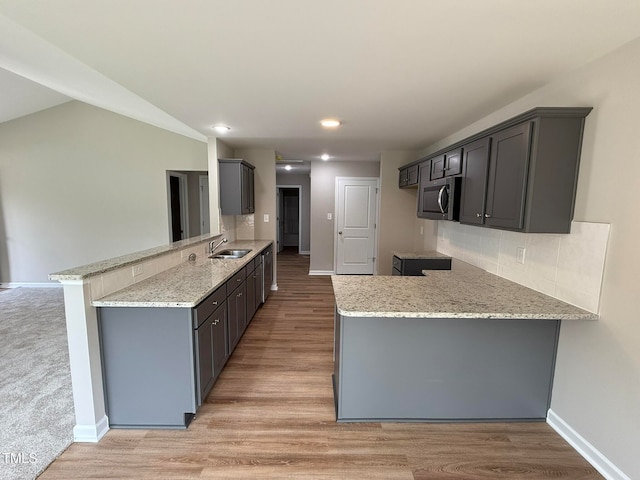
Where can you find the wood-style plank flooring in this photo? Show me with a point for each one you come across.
(271, 415)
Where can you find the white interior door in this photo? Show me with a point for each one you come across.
(356, 213)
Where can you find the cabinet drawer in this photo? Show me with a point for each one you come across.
(235, 281)
(208, 305)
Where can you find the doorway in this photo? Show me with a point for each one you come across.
(178, 206)
(288, 213)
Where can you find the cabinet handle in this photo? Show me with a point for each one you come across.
(238, 280)
(215, 302)
(255, 276)
(216, 321)
(478, 215)
(486, 215)
(440, 194)
(239, 294)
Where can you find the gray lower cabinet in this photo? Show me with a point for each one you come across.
(211, 350)
(414, 266)
(148, 361)
(237, 309)
(454, 369)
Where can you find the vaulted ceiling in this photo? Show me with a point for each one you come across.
(399, 74)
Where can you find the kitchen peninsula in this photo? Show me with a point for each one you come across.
(171, 324)
(458, 345)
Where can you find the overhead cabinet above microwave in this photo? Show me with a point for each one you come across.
(521, 175)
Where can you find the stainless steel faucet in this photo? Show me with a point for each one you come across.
(213, 247)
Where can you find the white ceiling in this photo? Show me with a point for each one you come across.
(400, 74)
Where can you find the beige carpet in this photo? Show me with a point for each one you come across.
(36, 403)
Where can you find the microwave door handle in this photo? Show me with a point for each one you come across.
(440, 193)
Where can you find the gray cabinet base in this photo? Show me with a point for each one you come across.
(148, 366)
(463, 369)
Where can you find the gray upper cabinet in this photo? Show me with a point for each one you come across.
(408, 177)
(507, 180)
(521, 174)
(474, 181)
(447, 164)
(236, 186)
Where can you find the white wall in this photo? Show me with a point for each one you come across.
(398, 229)
(323, 191)
(79, 184)
(597, 379)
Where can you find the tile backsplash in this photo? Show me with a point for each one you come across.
(567, 267)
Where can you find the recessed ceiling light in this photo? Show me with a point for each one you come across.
(221, 128)
(287, 167)
(330, 123)
(325, 156)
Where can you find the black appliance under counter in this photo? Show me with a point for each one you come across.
(412, 264)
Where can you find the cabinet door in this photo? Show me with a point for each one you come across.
(236, 304)
(205, 359)
(474, 181)
(219, 340)
(246, 205)
(453, 163)
(258, 293)
(508, 168)
(437, 167)
(412, 176)
(251, 296)
(404, 175)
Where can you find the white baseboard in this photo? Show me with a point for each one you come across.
(274, 287)
(591, 454)
(91, 433)
(31, 285)
(304, 252)
(321, 272)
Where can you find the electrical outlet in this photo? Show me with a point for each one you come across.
(329, 216)
(421, 230)
(520, 252)
(137, 270)
(266, 218)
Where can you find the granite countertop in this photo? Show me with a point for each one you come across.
(412, 255)
(463, 292)
(98, 268)
(185, 285)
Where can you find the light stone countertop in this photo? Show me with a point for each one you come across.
(463, 292)
(185, 285)
(412, 255)
(98, 268)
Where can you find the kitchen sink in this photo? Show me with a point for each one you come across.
(230, 253)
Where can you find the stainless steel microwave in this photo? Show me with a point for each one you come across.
(439, 199)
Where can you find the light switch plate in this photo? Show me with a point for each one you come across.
(266, 218)
(329, 216)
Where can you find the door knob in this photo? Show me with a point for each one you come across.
(339, 233)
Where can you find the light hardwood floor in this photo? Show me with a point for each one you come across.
(271, 415)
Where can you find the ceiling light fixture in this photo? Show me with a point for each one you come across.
(287, 167)
(330, 123)
(325, 156)
(221, 128)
